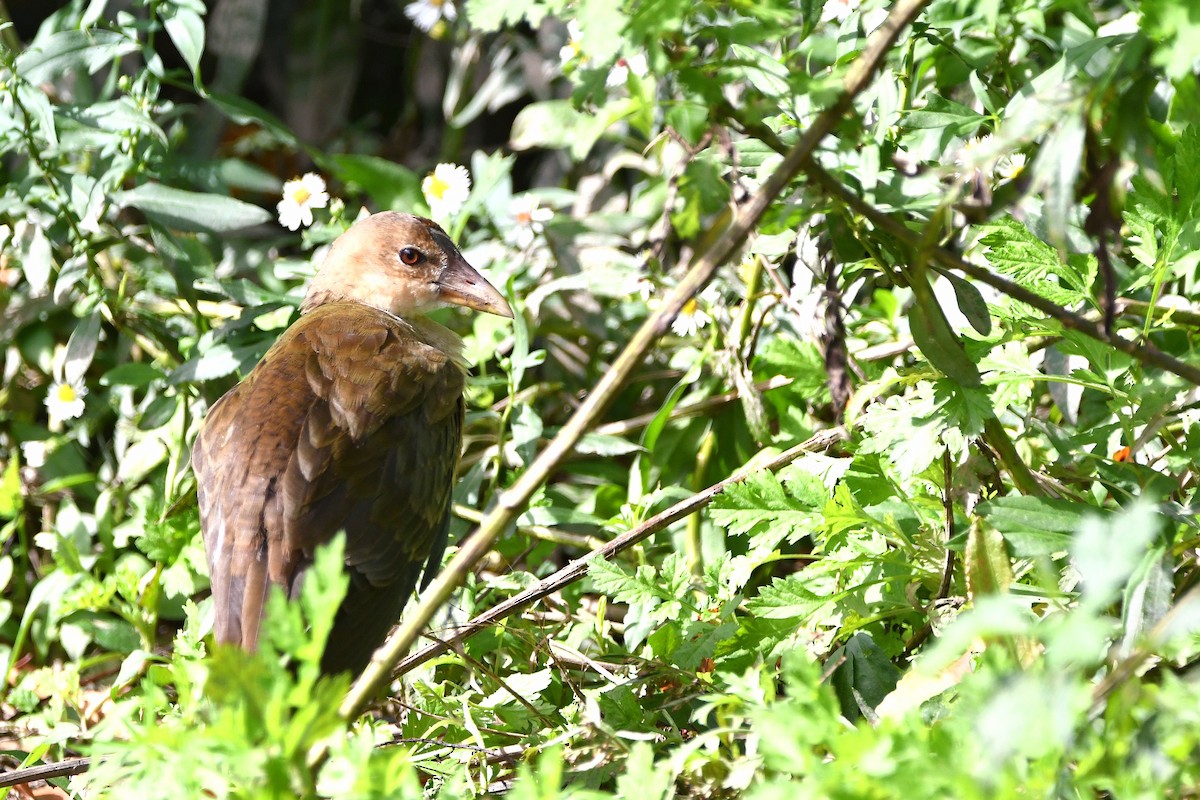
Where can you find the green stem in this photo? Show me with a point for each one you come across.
(1022, 476)
(695, 541)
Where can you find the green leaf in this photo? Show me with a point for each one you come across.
(81, 348)
(941, 345)
(216, 362)
(551, 123)
(90, 50)
(786, 598)
(971, 303)
(11, 496)
(488, 16)
(1034, 525)
(598, 444)
(865, 677)
(37, 105)
(192, 211)
(762, 502)
(1014, 251)
(1148, 596)
(38, 264)
(941, 113)
(186, 29)
(988, 568)
(390, 185)
(1107, 551)
(1055, 171)
(133, 373)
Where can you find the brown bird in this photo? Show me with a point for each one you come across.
(352, 421)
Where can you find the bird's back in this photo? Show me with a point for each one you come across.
(352, 421)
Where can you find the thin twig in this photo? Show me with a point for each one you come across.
(546, 534)
(1145, 353)
(45, 772)
(948, 506)
(578, 568)
(625, 426)
(511, 501)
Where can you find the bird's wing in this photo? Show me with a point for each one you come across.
(349, 423)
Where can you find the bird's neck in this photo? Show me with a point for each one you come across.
(438, 336)
(416, 325)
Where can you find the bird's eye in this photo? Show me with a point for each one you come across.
(411, 256)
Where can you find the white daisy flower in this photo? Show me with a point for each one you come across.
(65, 401)
(33, 453)
(838, 10)
(1010, 167)
(427, 13)
(573, 49)
(619, 74)
(446, 189)
(300, 196)
(690, 319)
(642, 288)
(529, 219)
(975, 159)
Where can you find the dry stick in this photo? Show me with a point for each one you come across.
(624, 426)
(45, 772)
(577, 568)
(1145, 353)
(512, 500)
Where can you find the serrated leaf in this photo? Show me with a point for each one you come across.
(762, 501)
(786, 598)
(1013, 250)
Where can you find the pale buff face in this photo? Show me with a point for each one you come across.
(389, 261)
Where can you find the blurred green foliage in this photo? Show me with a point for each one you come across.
(988, 589)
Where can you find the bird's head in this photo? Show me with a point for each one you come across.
(404, 265)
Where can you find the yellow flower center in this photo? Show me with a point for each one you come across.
(66, 393)
(438, 187)
(437, 3)
(301, 196)
(689, 307)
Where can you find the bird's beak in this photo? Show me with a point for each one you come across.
(462, 285)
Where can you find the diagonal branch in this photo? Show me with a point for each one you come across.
(511, 501)
(578, 568)
(1146, 353)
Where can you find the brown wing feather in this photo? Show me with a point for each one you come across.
(350, 422)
